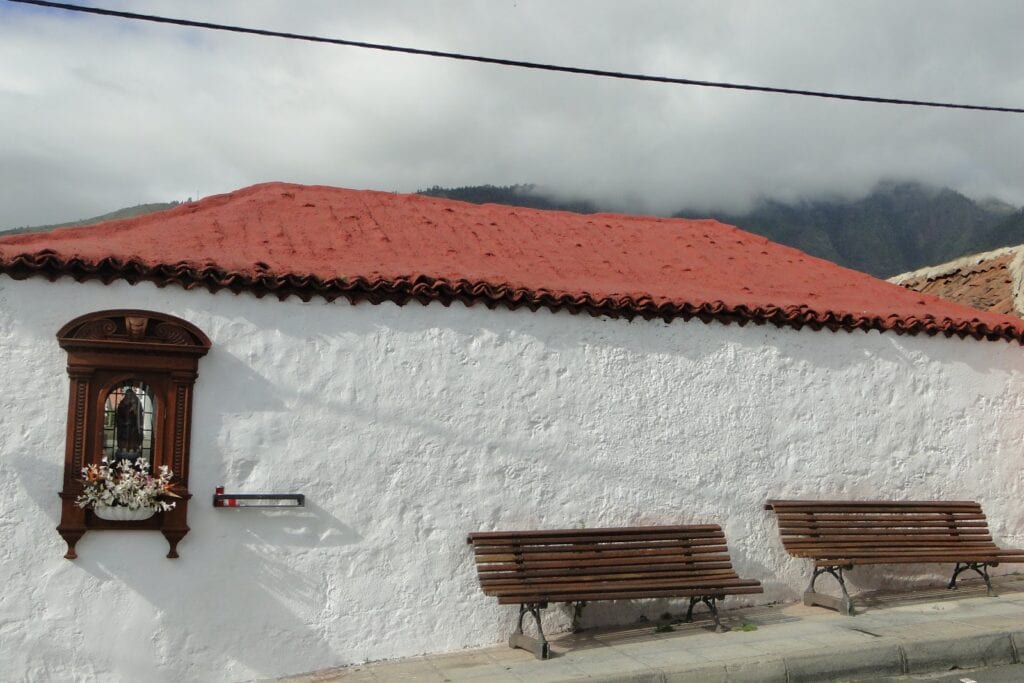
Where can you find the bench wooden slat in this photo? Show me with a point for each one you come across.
(878, 509)
(625, 595)
(895, 541)
(713, 574)
(618, 564)
(820, 522)
(639, 593)
(914, 559)
(868, 520)
(685, 580)
(887, 515)
(909, 559)
(913, 532)
(479, 536)
(552, 585)
(602, 538)
(695, 545)
(595, 554)
(891, 534)
(628, 579)
(603, 571)
(867, 535)
(893, 552)
(619, 586)
(626, 563)
(627, 568)
(899, 504)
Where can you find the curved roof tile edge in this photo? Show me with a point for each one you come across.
(938, 270)
(425, 289)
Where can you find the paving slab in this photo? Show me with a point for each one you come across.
(611, 662)
(892, 635)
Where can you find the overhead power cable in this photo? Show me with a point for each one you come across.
(510, 62)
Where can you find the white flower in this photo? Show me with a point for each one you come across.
(127, 484)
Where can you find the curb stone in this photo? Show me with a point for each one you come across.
(961, 653)
(870, 663)
(644, 677)
(764, 671)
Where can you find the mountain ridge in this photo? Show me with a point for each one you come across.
(897, 227)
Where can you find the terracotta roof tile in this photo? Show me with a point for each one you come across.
(307, 241)
(987, 281)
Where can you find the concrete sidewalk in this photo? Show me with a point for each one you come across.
(893, 634)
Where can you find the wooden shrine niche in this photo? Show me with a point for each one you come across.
(132, 374)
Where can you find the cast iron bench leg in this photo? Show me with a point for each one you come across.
(538, 646)
(842, 605)
(577, 615)
(708, 600)
(981, 568)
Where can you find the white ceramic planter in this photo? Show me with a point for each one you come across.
(119, 513)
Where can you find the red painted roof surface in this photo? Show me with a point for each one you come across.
(285, 239)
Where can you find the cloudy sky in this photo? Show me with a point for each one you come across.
(101, 113)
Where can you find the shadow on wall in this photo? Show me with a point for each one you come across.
(242, 611)
(41, 478)
(604, 332)
(250, 391)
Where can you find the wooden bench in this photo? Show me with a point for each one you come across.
(839, 535)
(534, 568)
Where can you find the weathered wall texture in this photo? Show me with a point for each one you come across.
(408, 427)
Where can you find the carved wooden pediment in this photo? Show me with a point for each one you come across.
(140, 329)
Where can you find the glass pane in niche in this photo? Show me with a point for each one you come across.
(128, 418)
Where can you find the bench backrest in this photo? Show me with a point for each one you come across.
(617, 563)
(823, 529)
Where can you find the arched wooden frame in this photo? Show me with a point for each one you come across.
(108, 347)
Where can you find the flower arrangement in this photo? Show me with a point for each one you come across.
(126, 484)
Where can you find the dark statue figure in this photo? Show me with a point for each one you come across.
(128, 427)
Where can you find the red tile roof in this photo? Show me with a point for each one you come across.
(990, 281)
(307, 241)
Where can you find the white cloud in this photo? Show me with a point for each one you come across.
(100, 113)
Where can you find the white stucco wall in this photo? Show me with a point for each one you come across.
(408, 427)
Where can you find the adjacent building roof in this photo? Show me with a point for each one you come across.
(306, 241)
(990, 281)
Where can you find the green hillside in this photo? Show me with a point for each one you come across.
(515, 195)
(127, 212)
